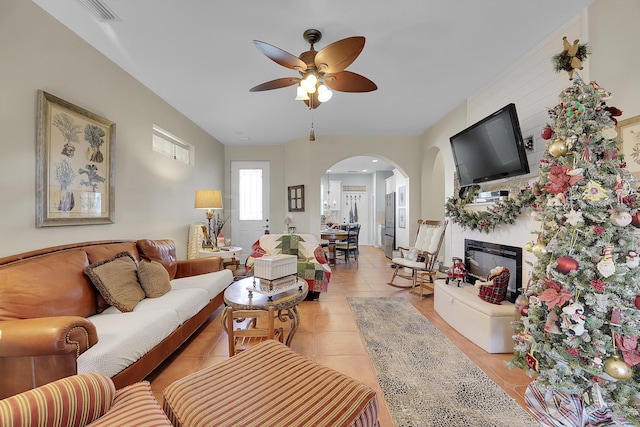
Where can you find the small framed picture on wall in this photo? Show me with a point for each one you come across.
(402, 196)
(296, 198)
(402, 217)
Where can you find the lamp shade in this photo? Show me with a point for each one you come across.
(324, 94)
(208, 199)
(301, 94)
(309, 83)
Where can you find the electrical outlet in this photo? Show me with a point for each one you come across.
(528, 143)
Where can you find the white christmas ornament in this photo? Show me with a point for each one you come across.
(574, 217)
(621, 218)
(606, 267)
(609, 132)
(633, 260)
(555, 200)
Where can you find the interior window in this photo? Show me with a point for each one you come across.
(171, 146)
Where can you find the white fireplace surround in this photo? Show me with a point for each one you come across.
(516, 234)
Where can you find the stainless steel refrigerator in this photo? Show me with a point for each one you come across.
(389, 238)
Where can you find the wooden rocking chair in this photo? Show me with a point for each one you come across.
(421, 258)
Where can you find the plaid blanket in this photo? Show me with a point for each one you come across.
(312, 264)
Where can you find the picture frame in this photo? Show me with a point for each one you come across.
(402, 217)
(75, 163)
(629, 132)
(296, 198)
(402, 196)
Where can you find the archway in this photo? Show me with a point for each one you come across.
(354, 190)
(433, 190)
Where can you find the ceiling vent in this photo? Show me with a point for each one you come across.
(99, 10)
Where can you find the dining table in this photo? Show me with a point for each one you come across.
(333, 235)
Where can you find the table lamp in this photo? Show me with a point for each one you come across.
(209, 200)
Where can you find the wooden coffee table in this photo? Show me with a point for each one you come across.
(239, 298)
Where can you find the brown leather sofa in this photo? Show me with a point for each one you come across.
(45, 299)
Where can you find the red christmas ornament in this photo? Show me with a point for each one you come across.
(635, 220)
(567, 264)
(547, 133)
(637, 302)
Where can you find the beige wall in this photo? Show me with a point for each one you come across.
(306, 163)
(154, 194)
(614, 37)
(302, 162)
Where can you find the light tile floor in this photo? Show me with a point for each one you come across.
(328, 334)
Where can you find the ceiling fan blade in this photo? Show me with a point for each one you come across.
(339, 55)
(280, 56)
(346, 81)
(275, 84)
(313, 97)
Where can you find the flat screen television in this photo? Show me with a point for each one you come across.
(490, 149)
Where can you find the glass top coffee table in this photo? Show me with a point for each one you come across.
(238, 297)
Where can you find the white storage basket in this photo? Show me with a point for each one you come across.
(275, 266)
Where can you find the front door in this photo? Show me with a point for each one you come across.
(249, 203)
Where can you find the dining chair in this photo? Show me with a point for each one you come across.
(246, 328)
(349, 246)
(420, 259)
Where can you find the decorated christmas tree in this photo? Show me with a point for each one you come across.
(578, 335)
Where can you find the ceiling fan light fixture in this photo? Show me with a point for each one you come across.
(324, 94)
(309, 82)
(301, 94)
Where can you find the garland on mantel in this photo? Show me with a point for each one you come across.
(501, 212)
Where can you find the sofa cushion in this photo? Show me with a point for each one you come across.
(78, 400)
(185, 303)
(117, 281)
(214, 283)
(107, 250)
(27, 291)
(153, 278)
(115, 350)
(163, 251)
(134, 405)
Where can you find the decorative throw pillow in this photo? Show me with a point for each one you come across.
(495, 289)
(117, 281)
(153, 278)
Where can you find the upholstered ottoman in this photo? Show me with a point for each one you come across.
(485, 324)
(269, 385)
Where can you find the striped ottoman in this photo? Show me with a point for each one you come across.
(269, 385)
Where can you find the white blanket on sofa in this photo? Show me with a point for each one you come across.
(123, 338)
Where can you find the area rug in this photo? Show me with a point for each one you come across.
(426, 379)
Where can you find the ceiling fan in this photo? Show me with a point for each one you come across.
(319, 70)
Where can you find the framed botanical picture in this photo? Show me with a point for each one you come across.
(402, 196)
(296, 198)
(629, 131)
(75, 153)
(402, 217)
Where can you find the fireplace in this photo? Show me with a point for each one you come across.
(480, 257)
